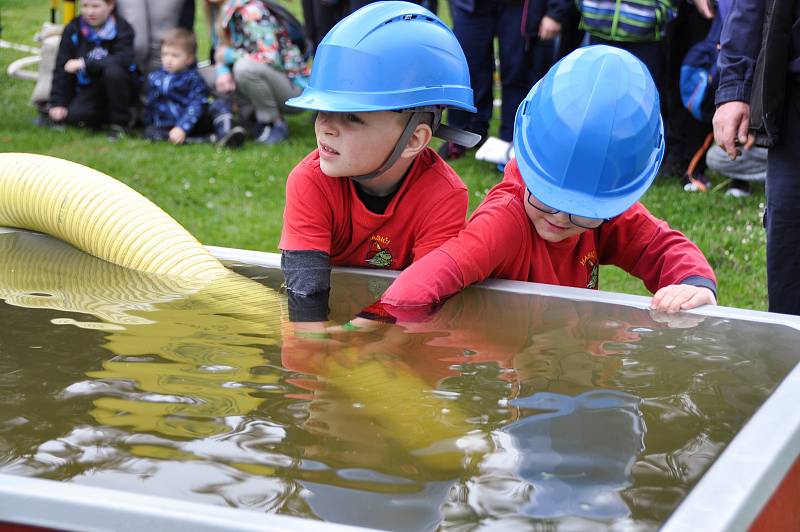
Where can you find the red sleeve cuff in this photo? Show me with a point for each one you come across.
(386, 313)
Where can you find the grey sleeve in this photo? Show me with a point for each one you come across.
(307, 275)
(698, 280)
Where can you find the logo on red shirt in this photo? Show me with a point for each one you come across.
(592, 269)
(378, 256)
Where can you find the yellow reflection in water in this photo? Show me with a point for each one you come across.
(208, 336)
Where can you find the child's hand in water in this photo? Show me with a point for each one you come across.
(362, 325)
(677, 297)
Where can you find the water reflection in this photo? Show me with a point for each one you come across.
(577, 453)
(181, 366)
(500, 410)
(194, 390)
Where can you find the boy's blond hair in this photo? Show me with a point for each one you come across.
(181, 38)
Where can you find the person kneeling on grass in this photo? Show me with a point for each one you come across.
(588, 141)
(177, 99)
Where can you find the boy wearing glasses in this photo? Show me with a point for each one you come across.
(588, 141)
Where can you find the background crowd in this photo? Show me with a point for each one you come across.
(261, 60)
(261, 57)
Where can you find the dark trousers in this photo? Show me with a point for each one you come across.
(571, 35)
(783, 210)
(649, 53)
(322, 15)
(520, 66)
(685, 134)
(106, 100)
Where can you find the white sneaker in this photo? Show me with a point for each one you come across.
(735, 192)
(495, 151)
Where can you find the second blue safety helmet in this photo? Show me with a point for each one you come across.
(390, 56)
(589, 138)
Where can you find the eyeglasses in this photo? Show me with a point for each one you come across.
(581, 221)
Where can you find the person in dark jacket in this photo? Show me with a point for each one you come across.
(759, 89)
(177, 106)
(93, 80)
(526, 32)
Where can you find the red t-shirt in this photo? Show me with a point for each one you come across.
(500, 241)
(325, 214)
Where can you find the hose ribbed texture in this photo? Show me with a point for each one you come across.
(103, 217)
(99, 215)
(196, 312)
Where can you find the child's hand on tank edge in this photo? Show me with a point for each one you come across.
(677, 297)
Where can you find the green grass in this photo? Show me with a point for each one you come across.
(236, 198)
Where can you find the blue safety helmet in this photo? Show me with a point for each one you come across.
(387, 56)
(391, 56)
(589, 138)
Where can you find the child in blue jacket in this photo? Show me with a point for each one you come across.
(177, 105)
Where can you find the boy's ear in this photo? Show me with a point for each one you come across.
(418, 141)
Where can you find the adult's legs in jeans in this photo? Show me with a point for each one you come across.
(783, 210)
(649, 53)
(685, 134)
(475, 33)
(519, 68)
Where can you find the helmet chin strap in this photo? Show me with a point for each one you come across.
(417, 115)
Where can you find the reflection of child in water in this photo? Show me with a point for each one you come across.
(570, 350)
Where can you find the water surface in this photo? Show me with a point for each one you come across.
(500, 410)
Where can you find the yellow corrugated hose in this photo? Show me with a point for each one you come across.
(105, 218)
(98, 215)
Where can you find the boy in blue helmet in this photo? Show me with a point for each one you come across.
(588, 141)
(373, 194)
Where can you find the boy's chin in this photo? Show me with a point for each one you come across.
(554, 237)
(329, 170)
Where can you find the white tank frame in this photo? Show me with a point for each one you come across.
(728, 497)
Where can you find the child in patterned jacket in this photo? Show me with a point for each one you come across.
(177, 107)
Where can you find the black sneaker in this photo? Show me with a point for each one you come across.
(738, 189)
(273, 133)
(233, 138)
(116, 132)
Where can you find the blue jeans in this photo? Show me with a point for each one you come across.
(782, 218)
(520, 68)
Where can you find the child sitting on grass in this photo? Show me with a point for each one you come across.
(588, 141)
(94, 80)
(373, 194)
(177, 106)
